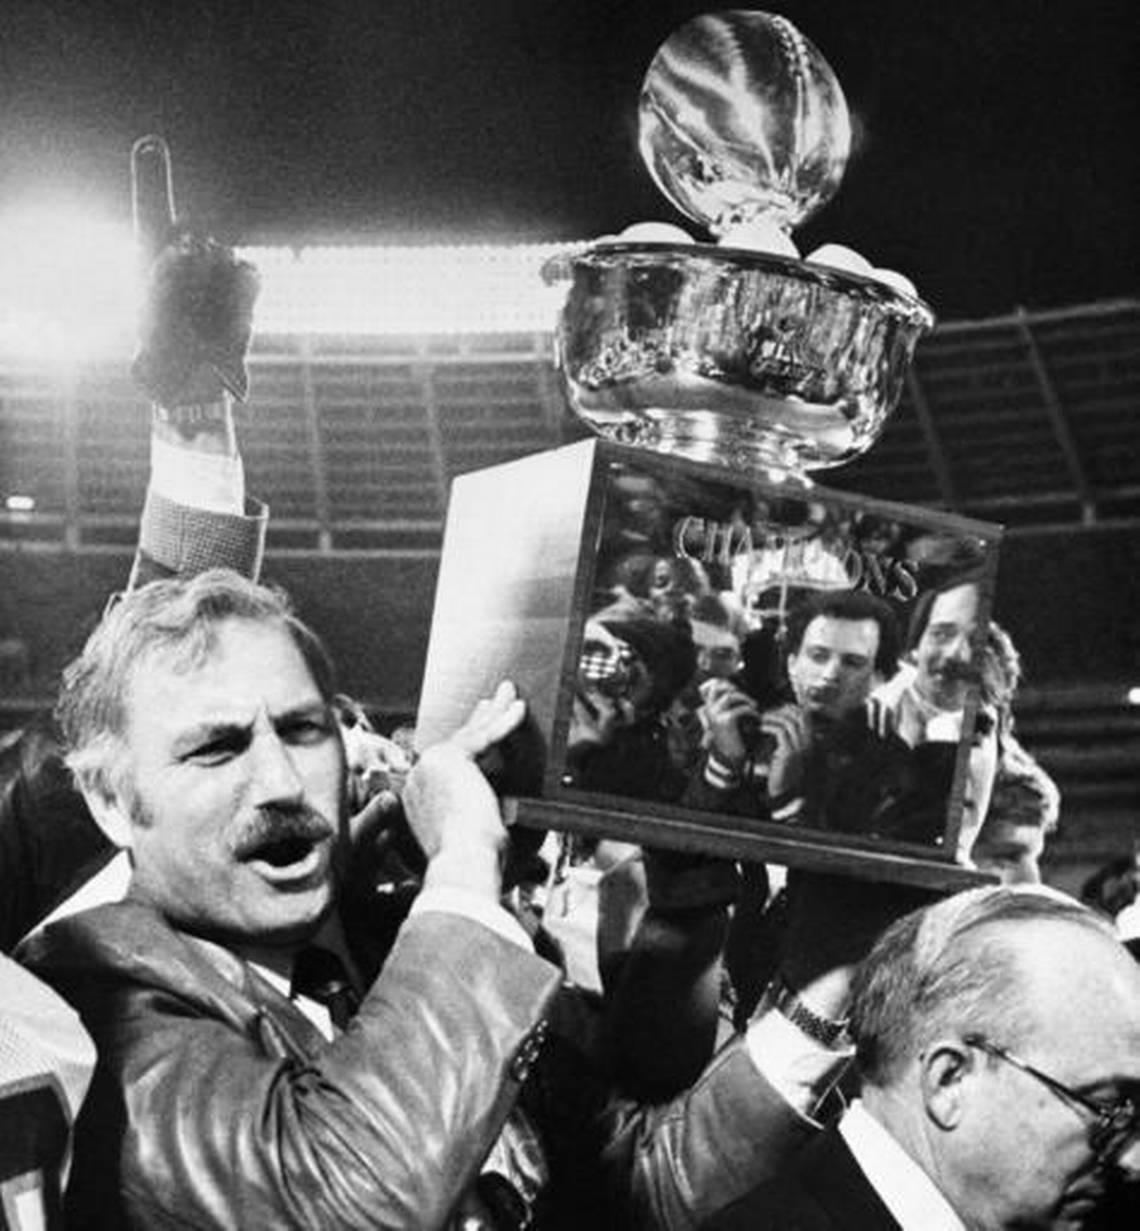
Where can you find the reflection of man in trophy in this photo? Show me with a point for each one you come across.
(932, 687)
(840, 645)
(632, 666)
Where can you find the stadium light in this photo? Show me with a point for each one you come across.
(67, 283)
(406, 290)
(69, 288)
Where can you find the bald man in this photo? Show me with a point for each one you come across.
(998, 1039)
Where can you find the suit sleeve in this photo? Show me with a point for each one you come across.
(671, 1156)
(178, 540)
(672, 1167)
(224, 1121)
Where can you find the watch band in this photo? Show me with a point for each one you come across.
(826, 1030)
(191, 415)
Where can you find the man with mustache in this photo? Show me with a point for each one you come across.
(997, 1036)
(926, 698)
(235, 1086)
(200, 726)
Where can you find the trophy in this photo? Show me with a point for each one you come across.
(706, 638)
(737, 353)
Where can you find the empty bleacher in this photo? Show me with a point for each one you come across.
(1028, 419)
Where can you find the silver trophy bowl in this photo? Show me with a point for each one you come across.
(742, 359)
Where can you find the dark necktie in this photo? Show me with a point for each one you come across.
(321, 975)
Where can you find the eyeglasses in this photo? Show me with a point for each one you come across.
(1116, 1124)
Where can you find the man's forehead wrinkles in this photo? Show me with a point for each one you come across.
(220, 722)
(197, 726)
(245, 716)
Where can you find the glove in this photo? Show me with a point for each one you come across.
(197, 323)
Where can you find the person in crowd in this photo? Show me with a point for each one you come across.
(49, 843)
(670, 585)
(1024, 810)
(923, 707)
(1010, 802)
(718, 633)
(632, 667)
(992, 1096)
(46, 1061)
(200, 725)
(623, 739)
(915, 803)
(839, 644)
(1114, 887)
(718, 630)
(932, 685)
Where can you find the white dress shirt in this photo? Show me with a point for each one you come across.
(801, 1069)
(904, 1188)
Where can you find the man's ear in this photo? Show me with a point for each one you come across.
(944, 1067)
(110, 813)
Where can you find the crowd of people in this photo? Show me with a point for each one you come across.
(267, 967)
(823, 718)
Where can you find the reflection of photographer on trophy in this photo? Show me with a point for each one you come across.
(632, 667)
(670, 586)
(839, 645)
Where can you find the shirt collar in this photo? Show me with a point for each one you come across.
(903, 1187)
(276, 968)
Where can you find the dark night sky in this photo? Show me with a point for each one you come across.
(997, 163)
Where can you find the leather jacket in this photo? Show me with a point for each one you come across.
(251, 1118)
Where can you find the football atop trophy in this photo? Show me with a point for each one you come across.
(736, 351)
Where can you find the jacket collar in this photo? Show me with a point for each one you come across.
(134, 939)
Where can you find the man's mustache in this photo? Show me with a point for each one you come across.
(274, 825)
(960, 672)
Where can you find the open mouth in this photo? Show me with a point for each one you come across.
(283, 852)
(286, 852)
(955, 672)
(289, 861)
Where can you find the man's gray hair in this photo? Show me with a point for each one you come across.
(949, 968)
(178, 616)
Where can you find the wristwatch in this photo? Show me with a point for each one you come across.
(785, 1000)
(191, 416)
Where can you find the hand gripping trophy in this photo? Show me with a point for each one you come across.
(701, 631)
